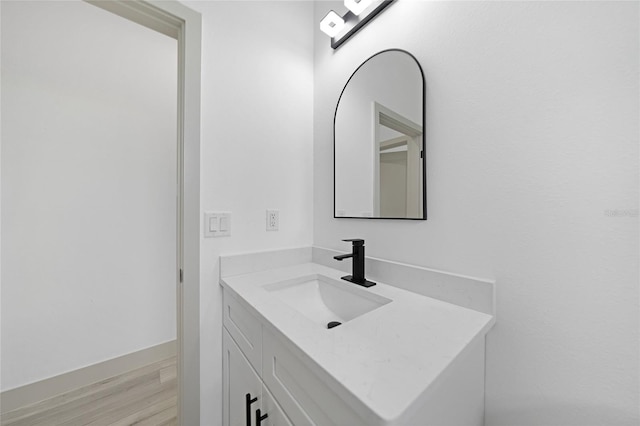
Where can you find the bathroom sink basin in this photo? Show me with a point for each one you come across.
(324, 300)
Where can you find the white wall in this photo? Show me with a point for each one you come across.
(532, 136)
(257, 146)
(88, 188)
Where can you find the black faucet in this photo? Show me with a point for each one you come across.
(357, 253)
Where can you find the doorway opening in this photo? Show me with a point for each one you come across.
(398, 165)
(183, 25)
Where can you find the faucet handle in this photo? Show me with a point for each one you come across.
(355, 241)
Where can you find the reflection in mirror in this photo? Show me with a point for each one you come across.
(379, 140)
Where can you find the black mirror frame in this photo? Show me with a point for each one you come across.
(424, 146)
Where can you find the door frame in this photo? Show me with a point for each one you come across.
(383, 116)
(185, 25)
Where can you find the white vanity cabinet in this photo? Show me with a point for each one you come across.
(412, 361)
(242, 386)
(306, 398)
(276, 378)
(246, 400)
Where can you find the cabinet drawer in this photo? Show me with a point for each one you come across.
(245, 329)
(295, 386)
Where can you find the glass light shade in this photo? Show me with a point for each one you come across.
(331, 24)
(357, 6)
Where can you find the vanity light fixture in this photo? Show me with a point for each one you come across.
(331, 24)
(359, 14)
(357, 6)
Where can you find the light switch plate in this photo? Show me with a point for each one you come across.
(217, 224)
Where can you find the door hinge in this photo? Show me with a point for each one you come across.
(180, 274)
(421, 154)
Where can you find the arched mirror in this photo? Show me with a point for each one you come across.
(379, 143)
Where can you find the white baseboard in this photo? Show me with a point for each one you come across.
(28, 394)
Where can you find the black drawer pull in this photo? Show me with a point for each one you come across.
(248, 401)
(260, 417)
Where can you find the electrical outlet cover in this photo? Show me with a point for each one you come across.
(273, 220)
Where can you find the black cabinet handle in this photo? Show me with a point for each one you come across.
(260, 417)
(248, 401)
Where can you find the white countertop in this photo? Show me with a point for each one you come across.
(386, 358)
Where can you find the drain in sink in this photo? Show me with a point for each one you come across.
(333, 324)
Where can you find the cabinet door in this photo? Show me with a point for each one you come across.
(307, 398)
(275, 415)
(242, 388)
